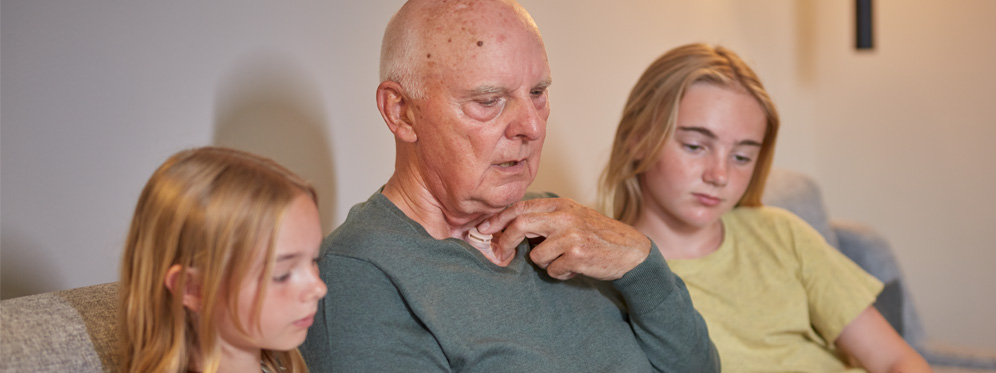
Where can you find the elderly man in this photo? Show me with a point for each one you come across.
(560, 288)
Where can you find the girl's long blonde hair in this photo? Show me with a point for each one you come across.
(649, 118)
(210, 210)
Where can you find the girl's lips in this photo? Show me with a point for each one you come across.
(306, 321)
(707, 200)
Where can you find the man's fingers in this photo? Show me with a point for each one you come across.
(501, 220)
(561, 268)
(525, 226)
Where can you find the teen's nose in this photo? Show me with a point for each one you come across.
(717, 172)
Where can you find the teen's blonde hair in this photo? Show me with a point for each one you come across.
(650, 114)
(212, 211)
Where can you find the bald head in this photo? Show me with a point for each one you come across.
(426, 33)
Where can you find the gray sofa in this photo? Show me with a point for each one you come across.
(74, 330)
(71, 330)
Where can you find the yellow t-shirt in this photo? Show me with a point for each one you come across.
(775, 295)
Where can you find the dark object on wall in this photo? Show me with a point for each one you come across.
(863, 24)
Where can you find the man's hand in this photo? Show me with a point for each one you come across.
(578, 239)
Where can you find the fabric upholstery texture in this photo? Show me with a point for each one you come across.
(64, 331)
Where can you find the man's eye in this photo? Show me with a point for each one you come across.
(489, 102)
(537, 92)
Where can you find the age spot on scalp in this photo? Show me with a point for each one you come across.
(428, 55)
(480, 43)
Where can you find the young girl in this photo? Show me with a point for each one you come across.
(688, 167)
(218, 272)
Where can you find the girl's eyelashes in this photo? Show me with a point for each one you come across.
(282, 278)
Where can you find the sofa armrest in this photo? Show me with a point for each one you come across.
(872, 252)
(958, 357)
(869, 250)
(72, 330)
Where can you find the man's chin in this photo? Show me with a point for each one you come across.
(506, 195)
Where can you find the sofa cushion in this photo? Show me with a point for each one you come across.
(72, 330)
(799, 194)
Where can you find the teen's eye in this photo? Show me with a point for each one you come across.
(741, 159)
(692, 147)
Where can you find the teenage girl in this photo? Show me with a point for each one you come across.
(687, 168)
(218, 272)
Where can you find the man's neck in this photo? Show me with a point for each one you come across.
(415, 200)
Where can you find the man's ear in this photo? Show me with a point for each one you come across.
(192, 286)
(396, 109)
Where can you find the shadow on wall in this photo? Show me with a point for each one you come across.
(18, 268)
(268, 106)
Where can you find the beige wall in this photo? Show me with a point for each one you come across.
(96, 95)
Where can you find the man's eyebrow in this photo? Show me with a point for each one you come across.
(544, 84)
(486, 90)
(490, 89)
(707, 133)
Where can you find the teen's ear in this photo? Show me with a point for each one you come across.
(192, 286)
(396, 110)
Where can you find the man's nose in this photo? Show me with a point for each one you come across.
(529, 121)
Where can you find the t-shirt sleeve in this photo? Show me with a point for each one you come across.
(837, 288)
